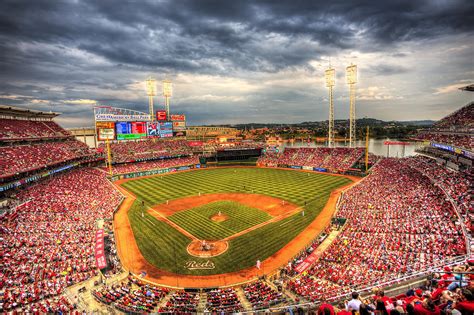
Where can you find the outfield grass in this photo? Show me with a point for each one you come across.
(197, 221)
(165, 247)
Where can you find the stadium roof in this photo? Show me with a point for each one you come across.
(469, 88)
(23, 112)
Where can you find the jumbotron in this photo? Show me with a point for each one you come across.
(152, 216)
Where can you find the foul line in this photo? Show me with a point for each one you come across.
(177, 227)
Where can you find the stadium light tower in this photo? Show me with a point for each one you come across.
(330, 75)
(167, 93)
(351, 77)
(151, 92)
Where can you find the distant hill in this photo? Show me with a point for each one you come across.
(338, 122)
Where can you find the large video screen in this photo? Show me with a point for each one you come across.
(153, 129)
(160, 129)
(130, 130)
(139, 127)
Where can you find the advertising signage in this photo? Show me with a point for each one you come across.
(166, 129)
(178, 117)
(118, 117)
(105, 130)
(161, 115)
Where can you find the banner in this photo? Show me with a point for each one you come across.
(99, 249)
(308, 261)
(319, 169)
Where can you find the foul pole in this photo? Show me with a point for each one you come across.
(367, 150)
(109, 157)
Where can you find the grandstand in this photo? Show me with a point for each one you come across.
(406, 220)
(456, 130)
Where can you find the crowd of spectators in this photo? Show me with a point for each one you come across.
(457, 184)
(455, 139)
(181, 302)
(462, 118)
(152, 165)
(441, 293)
(49, 245)
(333, 159)
(262, 296)
(223, 301)
(30, 129)
(28, 157)
(147, 149)
(398, 223)
(456, 129)
(132, 297)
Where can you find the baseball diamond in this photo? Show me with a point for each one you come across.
(251, 231)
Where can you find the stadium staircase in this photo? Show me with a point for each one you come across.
(243, 300)
(164, 300)
(202, 303)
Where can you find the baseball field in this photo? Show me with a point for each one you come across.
(245, 214)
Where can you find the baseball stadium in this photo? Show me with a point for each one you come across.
(145, 212)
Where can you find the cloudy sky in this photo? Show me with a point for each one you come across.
(237, 61)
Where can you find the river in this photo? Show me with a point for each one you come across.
(376, 146)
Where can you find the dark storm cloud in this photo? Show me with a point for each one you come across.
(62, 50)
(388, 69)
(186, 35)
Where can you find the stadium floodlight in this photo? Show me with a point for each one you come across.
(351, 78)
(151, 92)
(167, 93)
(330, 75)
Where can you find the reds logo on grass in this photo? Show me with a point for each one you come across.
(194, 265)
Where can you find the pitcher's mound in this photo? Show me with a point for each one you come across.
(219, 217)
(199, 248)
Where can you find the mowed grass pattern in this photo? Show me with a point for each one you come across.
(165, 247)
(197, 221)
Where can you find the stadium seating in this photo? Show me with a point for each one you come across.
(151, 165)
(457, 184)
(48, 241)
(223, 301)
(181, 302)
(398, 223)
(455, 129)
(30, 129)
(133, 297)
(28, 157)
(462, 118)
(333, 159)
(455, 139)
(262, 296)
(131, 151)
